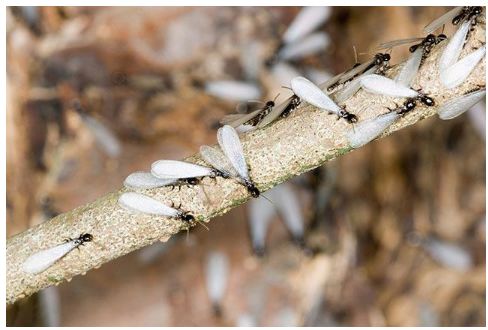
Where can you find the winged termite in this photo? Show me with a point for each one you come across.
(44, 259)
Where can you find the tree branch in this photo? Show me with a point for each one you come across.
(308, 138)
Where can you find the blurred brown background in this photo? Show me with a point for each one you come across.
(371, 215)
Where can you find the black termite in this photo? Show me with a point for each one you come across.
(468, 13)
(380, 61)
(411, 103)
(265, 110)
(407, 106)
(349, 117)
(294, 102)
(80, 240)
(427, 43)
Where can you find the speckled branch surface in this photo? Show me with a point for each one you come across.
(308, 138)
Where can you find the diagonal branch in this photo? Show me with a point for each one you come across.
(308, 138)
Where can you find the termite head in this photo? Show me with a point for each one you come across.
(270, 104)
(440, 38)
(187, 217)
(86, 237)
(83, 238)
(430, 39)
(350, 117)
(475, 11)
(386, 57)
(380, 58)
(428, 101)
(252, 189)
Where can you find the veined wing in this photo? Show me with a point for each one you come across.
(241, 119)
(310, 93)
(410, 68)
(438, 22)
(248, 106)
(354, 71)
(275, 113)
(459, 105)
(136, 202)
(231, 146)
(394, 43)
(173, 169)
(217, 160)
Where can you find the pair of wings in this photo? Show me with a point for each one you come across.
(256, 108)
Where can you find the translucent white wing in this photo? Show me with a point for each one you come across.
(274, 113)
(50, 305)
(346, 92)
(316, 76)
(246, 320)
(451, 53)
(243, 118)
(283, 73)
(381, 85)
(354, 71)
(145, 180)
(459, 105)
(369, 129)
(305, 47)
(44, 259)
(477, 118)
(394, 43)
(410, 68)
(289, 209)
(217, 160)
(307, 20)
(457, 73)
(136, 202)
(248, 106)
(449, 255)
(233, 90)
(438, 22)
(331, 81)
(245, 128)
(261, 213)
(312, 94)
(231, 117)
(173, 169)
(150, 253)
(217, 271)
(104, 137)
(231, 146)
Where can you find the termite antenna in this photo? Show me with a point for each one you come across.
(269, 200)
(202, 224)
(355, 54)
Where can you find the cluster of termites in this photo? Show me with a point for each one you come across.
(228, 161)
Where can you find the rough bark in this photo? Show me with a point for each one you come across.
(305, 140)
